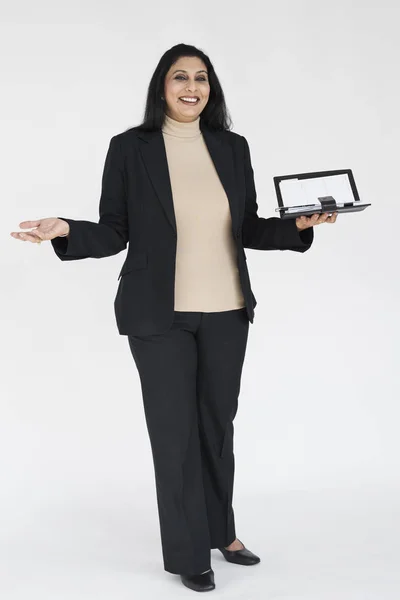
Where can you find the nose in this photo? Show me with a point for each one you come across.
(191, 86)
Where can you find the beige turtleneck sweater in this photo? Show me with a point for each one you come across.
(206, 275)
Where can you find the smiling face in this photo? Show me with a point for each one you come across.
(187, 78)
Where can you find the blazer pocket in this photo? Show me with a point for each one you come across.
(137, 260)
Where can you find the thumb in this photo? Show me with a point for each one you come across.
(28, 224)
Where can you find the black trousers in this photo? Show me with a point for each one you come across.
(190, 379)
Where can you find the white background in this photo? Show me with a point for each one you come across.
(313, 86)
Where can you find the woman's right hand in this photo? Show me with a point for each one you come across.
(43, 230)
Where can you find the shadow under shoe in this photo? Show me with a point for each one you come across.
(199, 583)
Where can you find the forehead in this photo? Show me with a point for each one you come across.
(191, 64)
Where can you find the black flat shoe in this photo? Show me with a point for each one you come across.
(240, 557)
(199, 583)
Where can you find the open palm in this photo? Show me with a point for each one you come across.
(43, 229)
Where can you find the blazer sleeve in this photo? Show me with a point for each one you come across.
(271, 233)
(110, 235)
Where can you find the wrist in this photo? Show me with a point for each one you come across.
(66, 234)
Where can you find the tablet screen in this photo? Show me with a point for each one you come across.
(297, 192)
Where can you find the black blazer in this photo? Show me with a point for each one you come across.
(136, 206)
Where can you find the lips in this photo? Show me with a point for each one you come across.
(188, 102)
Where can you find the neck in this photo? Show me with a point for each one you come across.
(184, 129)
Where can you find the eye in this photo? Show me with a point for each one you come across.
(183, 77)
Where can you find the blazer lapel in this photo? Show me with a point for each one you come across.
(154, 156)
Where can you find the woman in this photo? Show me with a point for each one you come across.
(180, 189)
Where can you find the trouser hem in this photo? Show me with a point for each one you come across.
(176, 571)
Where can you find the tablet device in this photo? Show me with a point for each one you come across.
(318, 192)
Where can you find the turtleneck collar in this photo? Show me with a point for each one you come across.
(181, 129)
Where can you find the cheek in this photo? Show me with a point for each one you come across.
(173, 89)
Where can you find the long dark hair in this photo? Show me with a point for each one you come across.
(214, 115)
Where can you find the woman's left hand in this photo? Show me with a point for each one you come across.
(315, 219)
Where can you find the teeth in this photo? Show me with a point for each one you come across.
(189, 99)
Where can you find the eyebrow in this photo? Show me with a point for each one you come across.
(183, 71)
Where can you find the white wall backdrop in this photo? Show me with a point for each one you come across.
(313, 85)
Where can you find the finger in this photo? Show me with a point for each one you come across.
(332, 218)
(17, 235)
(27, 237)
(35, 232)
(39, 234)
(306, 221)
(314, 219)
